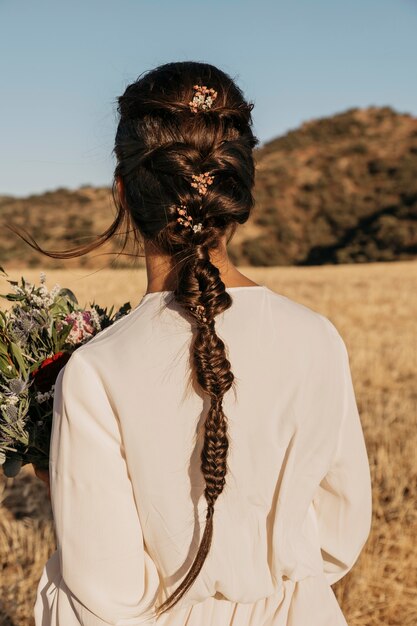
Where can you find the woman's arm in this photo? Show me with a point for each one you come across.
(104, 564)
(343, 502)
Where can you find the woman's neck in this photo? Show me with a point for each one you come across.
(162, 275)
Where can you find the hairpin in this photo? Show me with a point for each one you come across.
(187, 220)
(200, 310)
(201, 181)
(203, 98)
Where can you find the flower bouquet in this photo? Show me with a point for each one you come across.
(38, 334)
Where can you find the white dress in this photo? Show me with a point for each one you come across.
(127, 490)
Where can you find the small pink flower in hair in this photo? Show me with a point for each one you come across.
(201, 181)
(203, 98)
(187, 220)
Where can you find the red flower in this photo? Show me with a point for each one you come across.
(46, 374)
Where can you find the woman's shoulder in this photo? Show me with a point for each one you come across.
(109, 333)
(302, 318)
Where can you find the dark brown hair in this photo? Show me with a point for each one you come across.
(160, 143)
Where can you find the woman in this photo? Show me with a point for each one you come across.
(207, 461)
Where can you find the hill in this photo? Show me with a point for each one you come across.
(340, 189)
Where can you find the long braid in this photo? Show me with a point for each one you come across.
(214, 375)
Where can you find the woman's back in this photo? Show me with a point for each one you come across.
(294, 512)
(208, 466)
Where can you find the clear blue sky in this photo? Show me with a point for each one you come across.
(63, 64)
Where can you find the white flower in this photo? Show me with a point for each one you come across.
(95, 318)
(18, 289)
(41, 397)
(54, 291)
(38, 301)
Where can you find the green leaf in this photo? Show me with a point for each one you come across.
(18, 357)
(9, 431)
(68, 294)
(12, 296)
(125, 308)
(63, 334)
(53, 334)
(4, 363)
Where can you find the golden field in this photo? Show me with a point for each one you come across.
(374, 307)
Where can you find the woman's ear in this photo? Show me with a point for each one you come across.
(121, 190)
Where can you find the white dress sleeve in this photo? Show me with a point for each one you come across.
(105, 569)
(343, 502)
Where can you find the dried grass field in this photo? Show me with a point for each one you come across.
(374, 307)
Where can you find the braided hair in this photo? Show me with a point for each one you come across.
(163, 142)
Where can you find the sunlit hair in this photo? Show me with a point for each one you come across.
(160, 144)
